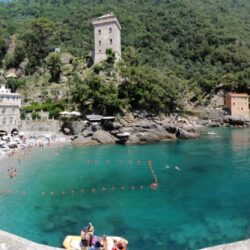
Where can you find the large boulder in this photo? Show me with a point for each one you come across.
(84, 141)
(183, 134)
(149, 136)
(78, 127)
(133, 139)
(103, 137)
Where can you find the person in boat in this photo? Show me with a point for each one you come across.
(87, 234)
(90, 229)
(115, 245)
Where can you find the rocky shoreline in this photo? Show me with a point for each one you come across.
(140, 130)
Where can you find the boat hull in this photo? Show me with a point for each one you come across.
(72, 242)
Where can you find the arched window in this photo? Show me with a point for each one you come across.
(4, 121)
(110, 30)
(11, 120)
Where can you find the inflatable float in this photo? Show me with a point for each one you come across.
(74, 242)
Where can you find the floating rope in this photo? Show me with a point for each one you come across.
(93, 190)
(155, 184)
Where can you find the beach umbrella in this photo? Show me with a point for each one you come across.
(75, 113)
(64, 113)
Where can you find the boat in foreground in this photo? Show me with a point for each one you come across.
(74, 242)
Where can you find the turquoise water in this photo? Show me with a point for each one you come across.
(207, 202)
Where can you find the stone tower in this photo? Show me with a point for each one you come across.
(107, 32)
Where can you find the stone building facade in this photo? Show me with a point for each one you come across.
(237, 105)
(107, 35)
(10, 104)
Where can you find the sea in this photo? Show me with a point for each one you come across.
(202, 198)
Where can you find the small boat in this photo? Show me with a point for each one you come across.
(211, 133)
(74, 242)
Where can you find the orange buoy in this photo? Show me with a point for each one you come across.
(154, 185)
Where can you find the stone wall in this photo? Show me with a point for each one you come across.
(50, 126)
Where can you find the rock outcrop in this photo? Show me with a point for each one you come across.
(183, 134)
(103, 137)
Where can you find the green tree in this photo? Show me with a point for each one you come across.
(3, 47)
(15, 83)
(54, 64)
(39, 41)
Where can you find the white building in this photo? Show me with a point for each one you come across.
(10, 104)
(107, 32)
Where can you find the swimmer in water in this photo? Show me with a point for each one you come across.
(177, 168)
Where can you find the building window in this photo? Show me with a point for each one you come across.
(233, 103)
(110, 41)
(3, 110)
(110, 30)
(11, 120)
(4, 121)
(99, 32)
(100, 43)
(100, 50)
(13, 110)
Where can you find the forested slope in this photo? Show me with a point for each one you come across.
(202, 43)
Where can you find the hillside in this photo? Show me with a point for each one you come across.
(173, 46)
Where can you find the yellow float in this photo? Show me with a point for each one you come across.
(72, 242)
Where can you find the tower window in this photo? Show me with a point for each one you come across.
(110, 30)
(99, 32)
(110, 41)
(100, 43)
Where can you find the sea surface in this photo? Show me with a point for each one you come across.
(203, 197)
